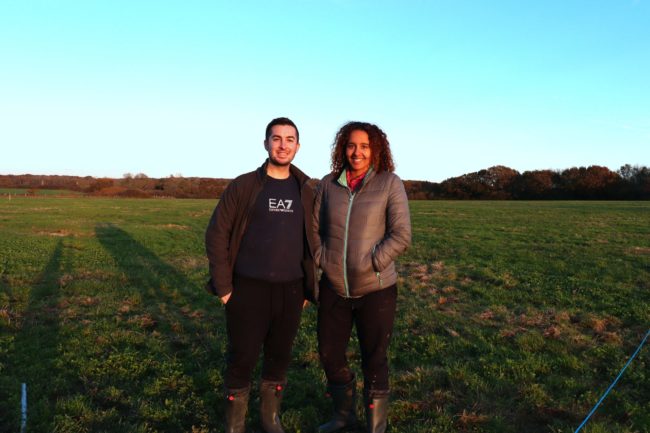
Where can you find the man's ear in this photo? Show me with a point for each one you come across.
(266, 145)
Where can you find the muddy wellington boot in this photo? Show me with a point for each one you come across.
(376, 404)
(236, 407)
(270, 400)
(344, 398)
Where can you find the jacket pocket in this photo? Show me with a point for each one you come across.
(373, 259)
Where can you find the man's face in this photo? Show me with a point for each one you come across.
(282, 145)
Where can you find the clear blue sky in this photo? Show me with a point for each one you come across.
(103, 88)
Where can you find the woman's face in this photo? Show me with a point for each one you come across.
(358, 152)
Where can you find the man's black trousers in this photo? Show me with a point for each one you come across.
(261, 314)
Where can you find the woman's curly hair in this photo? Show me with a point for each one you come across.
(382, 159)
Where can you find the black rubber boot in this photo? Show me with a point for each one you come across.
(270, 400)
(344, 398)
(236, 407)
(376, 403)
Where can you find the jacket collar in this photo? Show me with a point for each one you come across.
(343, 180)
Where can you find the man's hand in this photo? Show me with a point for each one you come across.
(304, 304)
(224, 299)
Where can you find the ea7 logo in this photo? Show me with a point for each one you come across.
(275, 203)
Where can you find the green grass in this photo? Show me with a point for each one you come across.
(37, 192)
(512, 317)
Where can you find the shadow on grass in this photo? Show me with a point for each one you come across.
(166, 293)
(33, 357)
(170, 303)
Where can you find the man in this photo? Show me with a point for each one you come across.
(258, 246)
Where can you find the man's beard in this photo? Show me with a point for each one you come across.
(278, 163)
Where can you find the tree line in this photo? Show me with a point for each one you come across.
(494, 183)
(576, 183)
(135, 186)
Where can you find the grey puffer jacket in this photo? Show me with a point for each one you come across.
(361, 233)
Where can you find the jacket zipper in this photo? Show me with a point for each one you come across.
(345, 246)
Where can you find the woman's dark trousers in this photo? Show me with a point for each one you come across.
(373, 316)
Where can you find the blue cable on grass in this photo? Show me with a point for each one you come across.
(636, 352)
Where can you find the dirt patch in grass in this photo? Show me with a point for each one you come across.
(552, 332)
(639, 250)
(446, 300)
(486, 315)
(40, 209)
(562, 317)
(94, 275)
(144, 321)
(421, 274)
(84, 275)
(466, 281)
(532, 320)
(438, 266)
(509, 281)
(54, 233)
(469, 419)
(174, 226)
(200, 214)
(612, 338)
(10, 318)
(554, 412)
(192, 314)
(551, 324)
(449, 289)
(189, 262)
(125, 308)
(452, 332)
(511, 332)
(88, 301)
(600, 325)
(65, 279)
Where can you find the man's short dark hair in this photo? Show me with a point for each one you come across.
(281, 121)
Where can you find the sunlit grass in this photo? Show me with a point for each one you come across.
(512, 317)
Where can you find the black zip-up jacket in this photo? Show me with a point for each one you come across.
(230, 220)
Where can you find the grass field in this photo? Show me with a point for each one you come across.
(512, 317)
(37, 192)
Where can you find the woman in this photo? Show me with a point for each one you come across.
(361, 214)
